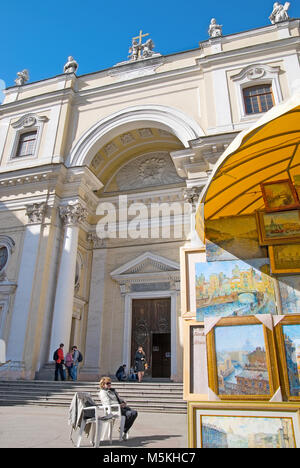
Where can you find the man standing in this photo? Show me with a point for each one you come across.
(59, 363)
(77, 358)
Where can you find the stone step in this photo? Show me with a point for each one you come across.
(145, 396)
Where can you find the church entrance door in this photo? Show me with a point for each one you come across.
(151, 328)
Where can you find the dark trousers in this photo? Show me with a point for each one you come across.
(59, 370)
(131, 416)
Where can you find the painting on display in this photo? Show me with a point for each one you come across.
(233, 288)
(285, 258)
(268, 425)
(241, 359)
(278, 227)
(279, 195)
(233, 236)
(288, 337)
(289, 287)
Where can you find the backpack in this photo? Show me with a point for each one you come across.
(80, 357)
(55, 356)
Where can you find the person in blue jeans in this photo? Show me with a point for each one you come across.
(76, 360)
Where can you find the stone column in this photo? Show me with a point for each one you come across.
(22, 302)
(92, 364)
(63, 307)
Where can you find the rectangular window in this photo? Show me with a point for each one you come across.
(26, 145)
(258, 99)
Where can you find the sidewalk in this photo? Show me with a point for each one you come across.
(47, 427)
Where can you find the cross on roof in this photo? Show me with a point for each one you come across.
(140, 36)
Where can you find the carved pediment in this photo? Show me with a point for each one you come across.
(145, 265)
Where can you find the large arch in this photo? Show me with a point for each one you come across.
(166, 118)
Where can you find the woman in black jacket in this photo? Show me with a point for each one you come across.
(140, 363)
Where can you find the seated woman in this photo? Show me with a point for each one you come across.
(109, 396)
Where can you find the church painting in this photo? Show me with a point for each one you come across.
(279, 227)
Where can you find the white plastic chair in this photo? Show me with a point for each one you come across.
(101, 425)
(115, 410)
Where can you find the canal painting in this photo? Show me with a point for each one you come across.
(233, 288)
(247, 432)
(241, 360)
(291, 335)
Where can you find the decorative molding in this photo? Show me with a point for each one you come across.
(146, 270)
(147, 170)
(72, 215)
(36, 212)
(255, 71)
(29, 120)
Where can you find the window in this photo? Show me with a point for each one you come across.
(3, 257)
(258, 99)
(27, 143)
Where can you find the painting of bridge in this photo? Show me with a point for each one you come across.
(232, 288)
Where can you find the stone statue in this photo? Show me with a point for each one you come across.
(23, 77)
(71, 65)
(214, 30)
(279, 12)
(147, 48)
(134, 50)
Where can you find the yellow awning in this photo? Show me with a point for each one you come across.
(269, 150)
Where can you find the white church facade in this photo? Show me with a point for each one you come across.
(99, 176)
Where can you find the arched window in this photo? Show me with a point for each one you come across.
(3, 256)
(258, 99)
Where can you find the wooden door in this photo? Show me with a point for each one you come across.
(150, 317)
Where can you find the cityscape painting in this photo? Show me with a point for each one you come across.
(289, 287)
(291, 334)
(247, 432)
(233, 288)
(241, 360)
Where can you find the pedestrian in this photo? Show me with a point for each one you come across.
(59, 363)
(69, 364)
(77, 358)
(140, 363)
(109, 396)
(121, 373)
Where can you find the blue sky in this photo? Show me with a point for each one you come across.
(40, 35)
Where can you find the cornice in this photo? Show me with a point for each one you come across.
(266, 47)
(51, 97)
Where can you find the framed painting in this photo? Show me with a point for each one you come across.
(241, 356)
(189, 257)
(234, 288)
(195, 382)
(289, 288)
(287, 332)
(285, 258)
(279, 195)
(278, 227)
(243, 425)
(233, 236)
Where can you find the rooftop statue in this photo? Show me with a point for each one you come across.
(279, 12)
(23, 77)
(214, 30)
(140, 51)
(71, 65)
(148, 48)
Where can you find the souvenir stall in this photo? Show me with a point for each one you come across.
(241, 292)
